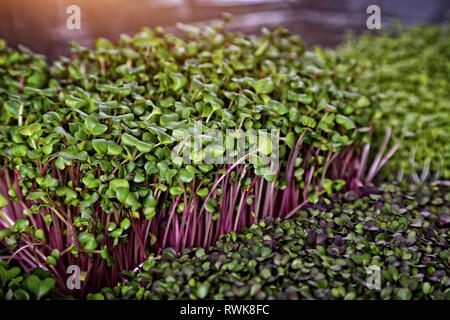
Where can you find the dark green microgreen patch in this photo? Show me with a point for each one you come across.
(324, 253)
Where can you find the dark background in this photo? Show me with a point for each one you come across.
(41, 24)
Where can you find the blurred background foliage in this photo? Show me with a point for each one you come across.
(41, 25)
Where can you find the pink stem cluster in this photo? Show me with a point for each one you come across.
(195, 226)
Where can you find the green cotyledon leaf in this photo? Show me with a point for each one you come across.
(131, 141)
